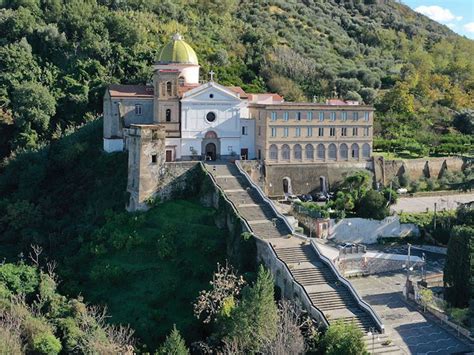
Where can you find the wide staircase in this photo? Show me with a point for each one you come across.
(324, 289)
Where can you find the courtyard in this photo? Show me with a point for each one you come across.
(422, 204)
(413, 331)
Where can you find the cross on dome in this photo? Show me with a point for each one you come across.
(211, 73)
(177, 37)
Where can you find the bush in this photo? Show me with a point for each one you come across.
(373, 205)
(343, 339)
(46, 344)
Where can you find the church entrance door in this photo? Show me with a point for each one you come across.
(210, 151)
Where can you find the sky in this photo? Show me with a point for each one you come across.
(456, 14)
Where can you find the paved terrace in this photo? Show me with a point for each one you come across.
(321, 284)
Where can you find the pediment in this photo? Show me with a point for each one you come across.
(211, 92)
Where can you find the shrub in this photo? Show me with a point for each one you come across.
(46, 344)
(344, 339)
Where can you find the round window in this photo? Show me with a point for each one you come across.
(211, 117)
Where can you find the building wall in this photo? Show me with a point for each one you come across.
(290, 128)
(305, 178)
(248, 140)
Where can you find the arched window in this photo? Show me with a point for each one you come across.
(343, 151)
(366, 151)
(355, 151)
(168, 88)
(321, 152)
(285, 152)
(180, 81)
(297, 152)
(273, 152)
(210, 135)
(168, 115)
(309, 151)
(332, 152)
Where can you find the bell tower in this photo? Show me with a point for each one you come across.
(166, 101)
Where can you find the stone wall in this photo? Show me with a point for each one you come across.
(306, 178)
(387, 170)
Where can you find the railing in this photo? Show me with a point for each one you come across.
(280, 262)
(351, 288)
(364, 305)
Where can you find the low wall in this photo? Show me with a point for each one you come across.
(432, 167)
(367, 231)
(371, 263)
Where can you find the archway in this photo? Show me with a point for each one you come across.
(287, 190)
(211, 151)
(322, 184)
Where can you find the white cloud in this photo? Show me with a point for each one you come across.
(469, 27)
(437, 13)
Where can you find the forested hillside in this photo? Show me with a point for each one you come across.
(58, 56)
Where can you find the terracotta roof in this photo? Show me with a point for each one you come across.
(341, 102)
(186, 87)
(130, 90)
(238, 90)
(268, 96)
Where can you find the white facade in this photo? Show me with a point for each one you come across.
(210, 114)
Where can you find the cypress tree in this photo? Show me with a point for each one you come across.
(174, 344)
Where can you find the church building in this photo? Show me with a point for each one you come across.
(206, 120)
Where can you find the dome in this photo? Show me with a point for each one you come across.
(177, 51)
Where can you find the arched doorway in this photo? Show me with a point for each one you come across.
(210, 151)
(287, 190)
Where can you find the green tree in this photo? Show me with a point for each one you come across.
(174, 344)
(253, 322)
(373, 205)
(458, 267)
(343, 339)
(464, 122)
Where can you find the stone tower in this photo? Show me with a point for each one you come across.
(146, 163)
(166, 101)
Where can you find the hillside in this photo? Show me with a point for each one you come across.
(59, 56)
(146, 268)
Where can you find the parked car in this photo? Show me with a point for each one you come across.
(293, 199)
(306, 198)
(321, 197)
(402, 191)
(346, 245)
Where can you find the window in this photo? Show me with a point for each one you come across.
(297, 152)
(244, 130)
(321, 116)
(320, 131)
(343, 116)
(168, 88)
(366, 116)
(181, 81)
(168, 115)
(274, 132)
(259, 154)
(309, 131)
(273, 152)
(332, 152)
(366, 151)
(355, 151)
(309, 150)
(285, 116)
(366, 131)
(332, 132)
(273, 116)
(298, 132)
(259, 130)
(138, 110)
(298, 116)
(211, 96)
(210, 117)
(355, 131)
(333, 116)
(285, 131)
(154, 158)
(343, 151)
(285, 152)
(355, 116)
(321, 152)
(154, 134)
(309, 116)
(343, 131)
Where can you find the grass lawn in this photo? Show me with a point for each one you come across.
(151, 279)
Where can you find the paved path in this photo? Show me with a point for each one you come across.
(412, 331)
(420, 204)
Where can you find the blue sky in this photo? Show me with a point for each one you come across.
(456, 14)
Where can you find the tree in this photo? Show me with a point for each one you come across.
(426, 297)
(174, 344)
(344, 339)
(373, 205)
(464, 122)
(458, 267)
(253, 323)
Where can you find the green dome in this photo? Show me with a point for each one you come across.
(177, 51)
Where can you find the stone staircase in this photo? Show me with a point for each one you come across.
(326, 293)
